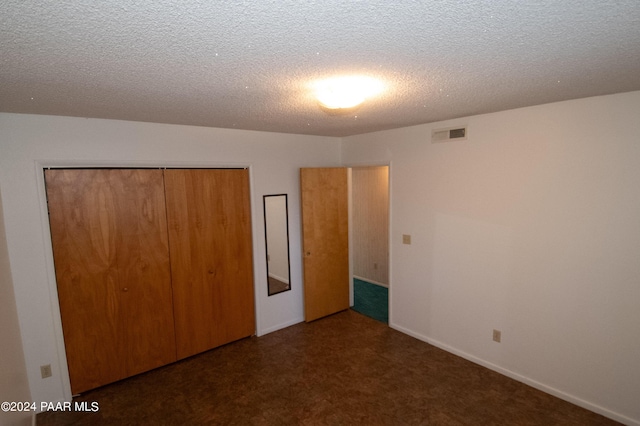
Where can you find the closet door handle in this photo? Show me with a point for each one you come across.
(125, 289)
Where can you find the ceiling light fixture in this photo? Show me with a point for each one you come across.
(346, 91)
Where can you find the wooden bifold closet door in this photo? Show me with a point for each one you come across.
(211, 257)
(111, 254)
(151, 265)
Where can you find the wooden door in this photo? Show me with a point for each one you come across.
(325, 235)
(110, 247)
(211, 257)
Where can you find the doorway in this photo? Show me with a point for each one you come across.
(345, 235)
(370, 241)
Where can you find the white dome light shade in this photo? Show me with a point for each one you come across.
(347, 91)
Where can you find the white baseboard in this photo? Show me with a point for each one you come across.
(280, 326)
(520, 378)
(284, 280)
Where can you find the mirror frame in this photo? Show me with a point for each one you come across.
(266, 241)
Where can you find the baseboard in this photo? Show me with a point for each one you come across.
(371, 281)
(520, 378)
(281, 279)
(281, 326)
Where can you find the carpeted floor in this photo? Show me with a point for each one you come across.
(346, 369)
(371, 300)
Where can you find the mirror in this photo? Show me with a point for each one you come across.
(276, 232)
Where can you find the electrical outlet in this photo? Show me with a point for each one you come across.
(45, 371)
(406, 239)
(497, 335)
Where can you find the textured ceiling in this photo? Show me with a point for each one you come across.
(249, 64)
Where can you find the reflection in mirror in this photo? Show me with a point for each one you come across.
(276, 231)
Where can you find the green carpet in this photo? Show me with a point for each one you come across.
(371, 300)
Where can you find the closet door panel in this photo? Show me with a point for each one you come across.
(234, 267)
(188, 263)
(108, 230)
(211, 257)
(144, 269)
(83, 234)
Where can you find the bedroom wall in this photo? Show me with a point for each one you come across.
(14, 385)
(29, 142)
(532, 227)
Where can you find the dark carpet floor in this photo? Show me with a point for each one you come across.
(371, 300)
(346, 369)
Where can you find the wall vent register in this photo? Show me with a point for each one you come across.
(443, 135)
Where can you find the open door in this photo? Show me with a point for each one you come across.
(325, 240)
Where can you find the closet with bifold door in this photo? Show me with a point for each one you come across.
(152, 266)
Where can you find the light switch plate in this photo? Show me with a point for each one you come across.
(406, 239)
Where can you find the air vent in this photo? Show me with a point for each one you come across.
(443, 135)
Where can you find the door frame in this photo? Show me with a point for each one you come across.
(40, 165)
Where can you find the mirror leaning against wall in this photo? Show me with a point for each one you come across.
(276, 231)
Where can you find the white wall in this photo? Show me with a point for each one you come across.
(14, 385)
(28, 141)
(532, 227)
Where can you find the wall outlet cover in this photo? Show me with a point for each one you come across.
(45, 371)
